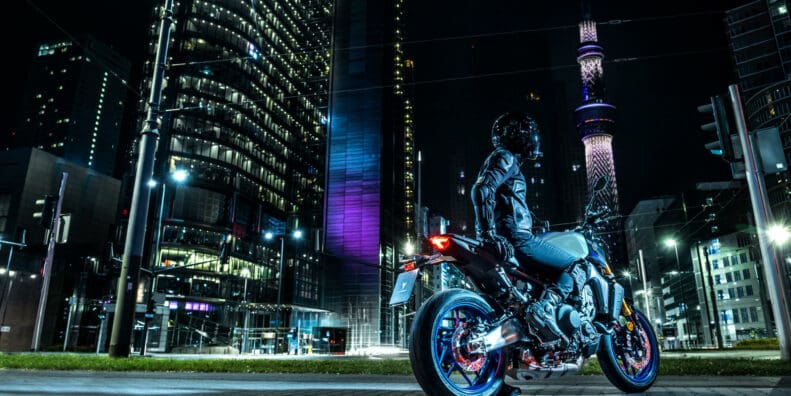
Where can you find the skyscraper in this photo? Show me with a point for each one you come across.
(245, 107)
(760, 39)
(74, 103)
(369, 211)
(595, 118)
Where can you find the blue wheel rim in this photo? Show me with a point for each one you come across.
(447, 367)
(645, 374)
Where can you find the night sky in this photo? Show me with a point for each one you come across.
(477, 59)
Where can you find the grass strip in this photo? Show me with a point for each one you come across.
(669, 366)
(104, 363)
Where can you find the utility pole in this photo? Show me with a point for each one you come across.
(120, 341)
(47, 275)
(777, 284)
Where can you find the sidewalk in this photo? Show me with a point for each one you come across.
(712, 354)
(724, 354)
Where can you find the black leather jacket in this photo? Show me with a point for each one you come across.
(498, 196)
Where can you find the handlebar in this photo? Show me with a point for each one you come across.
(595, 217)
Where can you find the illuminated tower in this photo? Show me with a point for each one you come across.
(595, 118)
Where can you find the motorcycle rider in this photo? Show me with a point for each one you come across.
(504, 222)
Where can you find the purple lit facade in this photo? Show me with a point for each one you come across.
(370, 198)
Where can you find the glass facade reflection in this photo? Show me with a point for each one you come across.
(245, 104)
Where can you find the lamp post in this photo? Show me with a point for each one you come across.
(179, 176)
(245, 273)
(297, 234)
(681, 306)
(123, 322)
(628, 275)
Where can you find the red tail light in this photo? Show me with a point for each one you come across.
(440, 242)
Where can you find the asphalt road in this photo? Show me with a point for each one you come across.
(20, 382)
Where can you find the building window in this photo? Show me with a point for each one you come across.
(746, 274)
(743, 257)
(748, 290)
(753, 314)
(737, 276)
(715, 263)
(726, 261)
(728, 277)
(740, 292)
(745, 318)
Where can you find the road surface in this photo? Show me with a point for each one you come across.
(42, 383)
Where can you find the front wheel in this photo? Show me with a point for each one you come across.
(630, 356)
(443, 361)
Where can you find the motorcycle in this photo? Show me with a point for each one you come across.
(464, 342)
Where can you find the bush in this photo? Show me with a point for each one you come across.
(758, 343)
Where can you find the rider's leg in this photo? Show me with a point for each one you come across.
(544, 257)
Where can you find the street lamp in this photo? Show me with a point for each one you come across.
(778, 234)
(245, 273)
(179, 176)
(681, 306)
(297, 234)
(409, 248)
(628, 275)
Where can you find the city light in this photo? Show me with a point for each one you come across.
(409, 248)
(152, 183)
(778, 233)
(180, 175)
(670, 242)
(268, 236)
(298, 234)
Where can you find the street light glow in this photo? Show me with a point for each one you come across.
(670, 242)
(297, 234)
(268, 236)
(152, 183)
(409, 248)
(778, 233)
(245, 273)
(180, 175)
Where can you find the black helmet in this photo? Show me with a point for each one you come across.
(517, 132)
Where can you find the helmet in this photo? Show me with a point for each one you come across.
(517, 132)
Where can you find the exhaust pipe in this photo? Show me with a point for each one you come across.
(501, 336)
(535, 371)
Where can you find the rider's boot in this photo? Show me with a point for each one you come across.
(542, 316)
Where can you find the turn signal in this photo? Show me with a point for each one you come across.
(440, 242)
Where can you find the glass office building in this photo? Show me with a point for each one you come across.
(244, 114)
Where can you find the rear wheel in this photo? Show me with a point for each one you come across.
(630, 356)
(442, 360)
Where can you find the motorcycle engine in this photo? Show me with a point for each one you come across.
(587, 312)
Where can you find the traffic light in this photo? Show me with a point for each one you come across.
(47, 211)
(721, 126)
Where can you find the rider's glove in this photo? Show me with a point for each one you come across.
(498, 244)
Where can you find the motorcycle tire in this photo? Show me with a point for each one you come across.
(439, 369)
(614, 359)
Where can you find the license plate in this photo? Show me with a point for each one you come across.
(403, 287)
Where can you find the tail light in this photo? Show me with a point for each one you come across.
(440, 242)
